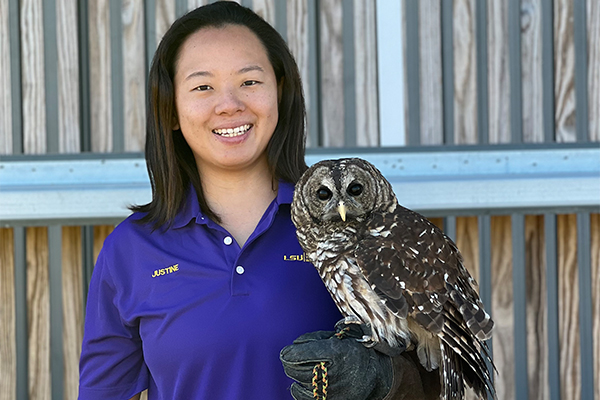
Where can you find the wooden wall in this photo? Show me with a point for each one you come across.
(331, 108)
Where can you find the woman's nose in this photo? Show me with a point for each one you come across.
(229, 102)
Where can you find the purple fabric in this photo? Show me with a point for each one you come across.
(169, 310)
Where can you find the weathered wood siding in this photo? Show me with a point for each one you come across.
(327, 94)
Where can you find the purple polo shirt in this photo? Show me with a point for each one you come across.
(189, 314)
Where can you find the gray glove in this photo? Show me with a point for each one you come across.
(338, 365)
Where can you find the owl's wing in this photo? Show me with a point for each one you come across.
(418, 272)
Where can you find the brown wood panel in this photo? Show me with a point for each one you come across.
(5, 82)
(100, 234)
(266, 9)
(68, 76)
(502, 305)
(465, 73)
(531, 71)
(165, 15)
(192, 4)
(430, 74)
(593, 37)
(365, 67)
(32, 77)
(568, 313)
(332, 76)
(38, 312)
(100, 76)
(72, 302)
(564, 71)
(134, 74)
(467, 240)
(8, 356)
(595, 257)
(297, 39)
(537, 310)
(498, 72)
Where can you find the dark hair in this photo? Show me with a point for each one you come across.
(170, 161)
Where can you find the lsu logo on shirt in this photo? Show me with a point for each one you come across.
(165, 271)
(296, 257)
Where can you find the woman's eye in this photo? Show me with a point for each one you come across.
(250, 83)
(202, 88)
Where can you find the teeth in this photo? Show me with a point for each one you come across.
(232, 132)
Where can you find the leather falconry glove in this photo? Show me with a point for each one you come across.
(334, 365)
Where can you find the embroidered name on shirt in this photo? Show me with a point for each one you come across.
(166, 271)
(296, 257)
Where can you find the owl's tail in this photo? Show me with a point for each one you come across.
(464, 359)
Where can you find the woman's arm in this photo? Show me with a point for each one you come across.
(136, 397)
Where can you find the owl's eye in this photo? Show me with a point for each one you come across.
(355, 189)
(323, 193)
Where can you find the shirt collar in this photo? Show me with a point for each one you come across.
(189, 210)
(191, 207)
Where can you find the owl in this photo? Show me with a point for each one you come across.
(392, 270)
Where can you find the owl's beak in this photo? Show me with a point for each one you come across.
(342, 210)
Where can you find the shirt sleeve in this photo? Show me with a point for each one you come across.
(112, 362)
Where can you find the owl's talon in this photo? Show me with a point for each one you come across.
(367, 341)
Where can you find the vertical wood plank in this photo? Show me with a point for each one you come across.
(193, 4)
(467, 240)
(537, 311)
(100, 234)
(365, 50)
(332, 73)
(38, 313)
(266, 9)
(568, 306)
(68, 76)
(502, 305)
(465, 73)
(165, 15)
(593, 36)
(430, 63)
(72, 307)
(498, 72)
(564, 71)
(531, 68)
(32, 75)
(100, 76)
(5, 79)
(595, 257)
(134, 73)
(8, 357)
(299, 44)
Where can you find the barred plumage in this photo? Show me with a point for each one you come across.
(392, 269)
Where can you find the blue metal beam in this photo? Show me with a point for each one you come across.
(500, 180)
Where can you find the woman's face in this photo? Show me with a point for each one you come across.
(226, 96)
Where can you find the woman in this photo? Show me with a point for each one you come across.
(196, 293)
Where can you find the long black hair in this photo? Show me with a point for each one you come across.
(171, 164)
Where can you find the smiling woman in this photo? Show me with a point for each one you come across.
(224, 147)
(226, 100)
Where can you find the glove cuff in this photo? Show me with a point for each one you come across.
(411, 381)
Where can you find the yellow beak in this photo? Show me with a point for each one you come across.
(342, 210)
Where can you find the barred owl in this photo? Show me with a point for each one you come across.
(391, 269)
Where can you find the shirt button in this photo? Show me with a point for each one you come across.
(228, 240)
(239, 269)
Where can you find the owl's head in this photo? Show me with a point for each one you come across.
(340, 190)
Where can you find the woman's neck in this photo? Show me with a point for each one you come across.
(239, 198)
